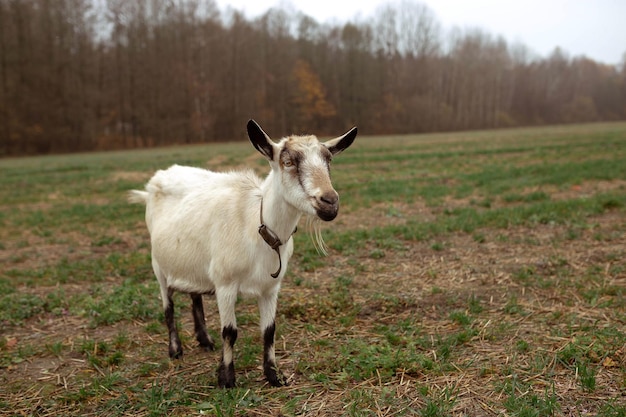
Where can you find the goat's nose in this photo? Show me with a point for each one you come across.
(330, 198)
(328, 205)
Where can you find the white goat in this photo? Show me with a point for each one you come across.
(230, 233)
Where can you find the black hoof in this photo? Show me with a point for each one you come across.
(274, 377)
(206, 344)
(226, 376)
(176, 354)
(278, 381)
(208, 347)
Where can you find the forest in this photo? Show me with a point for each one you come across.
(83, 75)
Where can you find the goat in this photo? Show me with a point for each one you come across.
(230, 233)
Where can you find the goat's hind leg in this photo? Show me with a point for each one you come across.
(204, 340)
(175, 347)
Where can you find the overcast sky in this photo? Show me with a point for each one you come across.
(594, 28)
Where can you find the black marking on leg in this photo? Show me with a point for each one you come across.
(199, 323)
(274, 377)
(268, 337)
(229, 333)
(226, 371)
(175, 347)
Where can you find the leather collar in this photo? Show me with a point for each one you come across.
(272, 239)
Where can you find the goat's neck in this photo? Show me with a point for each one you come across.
(278, 215)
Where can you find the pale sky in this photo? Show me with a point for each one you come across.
(594, 28)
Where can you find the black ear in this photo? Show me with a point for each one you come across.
(260, 140)
(341, 143)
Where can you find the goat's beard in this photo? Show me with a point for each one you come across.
(314, 226)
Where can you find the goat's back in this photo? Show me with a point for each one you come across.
(178, 181)
(196, 220)
(192, 191)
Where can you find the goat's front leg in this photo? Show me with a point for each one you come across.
(226, 300)
(267, 312)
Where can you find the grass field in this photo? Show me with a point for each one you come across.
(469, 274)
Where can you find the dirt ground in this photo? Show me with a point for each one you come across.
(426, 285)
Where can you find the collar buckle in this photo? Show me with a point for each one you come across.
(270, 237)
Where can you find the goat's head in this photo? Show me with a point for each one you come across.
(303, 164)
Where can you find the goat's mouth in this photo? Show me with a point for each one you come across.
(326, 205)
(327, 214)
(326, 211)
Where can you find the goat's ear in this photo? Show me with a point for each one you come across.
(260, 140)
(341, 143)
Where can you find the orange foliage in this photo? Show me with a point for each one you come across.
(310, 98)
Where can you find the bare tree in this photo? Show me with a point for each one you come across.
(87, 74)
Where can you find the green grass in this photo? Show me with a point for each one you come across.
(471, 273)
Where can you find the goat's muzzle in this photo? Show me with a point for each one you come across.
(327, 205)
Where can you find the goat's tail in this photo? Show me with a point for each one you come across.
(137, 196)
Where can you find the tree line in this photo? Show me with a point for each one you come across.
(80, 75)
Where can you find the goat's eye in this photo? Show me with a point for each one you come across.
(287, 162)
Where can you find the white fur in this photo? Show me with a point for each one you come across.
(204, 230)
